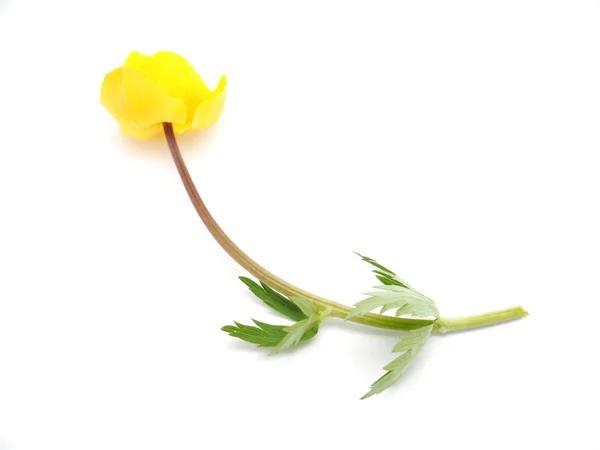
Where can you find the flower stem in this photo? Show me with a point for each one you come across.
(337, 309)
(480, 320)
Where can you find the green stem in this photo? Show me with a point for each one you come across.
(337, 309)
(480, 320)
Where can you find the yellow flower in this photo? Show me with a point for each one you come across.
(150, 90)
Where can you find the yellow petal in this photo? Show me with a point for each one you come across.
(174, 75)
(208, 112)
(139, 105)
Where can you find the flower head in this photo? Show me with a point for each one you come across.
(149, 90)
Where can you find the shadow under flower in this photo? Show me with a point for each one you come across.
(156, 148)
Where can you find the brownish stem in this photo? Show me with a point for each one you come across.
(268, 278)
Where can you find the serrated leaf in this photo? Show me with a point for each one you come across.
(385, 275)
(305, 306)
(411, 344)
(294, 333)
(275, 300)
(375, 263)
(299, 309)
(367, 305)
(264, 335)
(395, 293)
(413, 340)
(404, 300)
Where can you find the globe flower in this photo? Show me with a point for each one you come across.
(157, 94)
(148, 91)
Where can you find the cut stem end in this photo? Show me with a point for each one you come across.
(480, 320)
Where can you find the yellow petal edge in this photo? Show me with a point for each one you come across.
(150, 90)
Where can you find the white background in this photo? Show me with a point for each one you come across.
(454, 141)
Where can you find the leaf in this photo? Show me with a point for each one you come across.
(395, 293)
(306, 306)
(275, 300)
(411, 344)
(300, 310)
(385, 275)
(296, 332)
(403, 300)
(265, 335)
(413, 341)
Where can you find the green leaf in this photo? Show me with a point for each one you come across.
(275, 300)
(385, 275)
(264, 335)
(411, 344)
(306, 306)
(296, 332)
(403, 300)
(395, 293)
(375, 263)
(299, 309)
